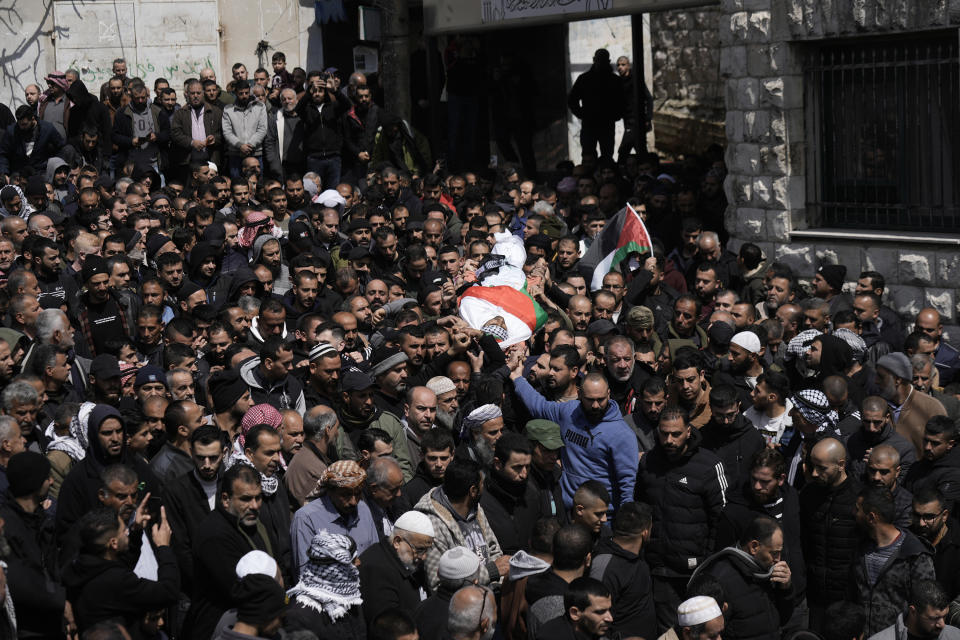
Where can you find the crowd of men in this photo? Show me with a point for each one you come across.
(238, 400)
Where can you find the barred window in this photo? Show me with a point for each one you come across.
(883, 150)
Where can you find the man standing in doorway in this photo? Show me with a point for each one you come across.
(597, 99)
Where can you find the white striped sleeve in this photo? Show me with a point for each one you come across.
(722, 479)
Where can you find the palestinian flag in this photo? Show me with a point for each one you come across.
(521, 314)
(623, 234)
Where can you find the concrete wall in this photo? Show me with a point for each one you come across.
(159, 38)
(762, 43)
(687, 88)
(26, 46)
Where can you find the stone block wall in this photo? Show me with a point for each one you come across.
(688, 92)
(762, 44)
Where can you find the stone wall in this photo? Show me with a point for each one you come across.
(761, 67)
(688, 90)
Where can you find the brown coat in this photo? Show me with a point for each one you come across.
(303, 472)
(700, 414)
(918, 408)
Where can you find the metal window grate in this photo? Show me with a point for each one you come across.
(884, 122)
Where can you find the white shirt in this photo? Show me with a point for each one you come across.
(770, 428)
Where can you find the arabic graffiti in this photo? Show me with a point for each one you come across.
(500, 10)
(93, 72)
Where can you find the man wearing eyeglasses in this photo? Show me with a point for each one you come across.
(729, 435)
(931, 521)
(391, 571)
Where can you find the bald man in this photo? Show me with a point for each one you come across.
(15, 230)
(946, 357)
(884, 470)
(876, 428)
(710, 248)
(472, 614)
(580, 311)
(420, 415)
(830, 535)
(598, 443)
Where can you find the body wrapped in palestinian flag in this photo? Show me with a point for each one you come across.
(520, 313)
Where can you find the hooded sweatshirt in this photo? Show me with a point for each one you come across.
(453, 530)
(216, 286)
(52, 165)
(835, 357)
(78, 494)
(240, 277)
(606, 451)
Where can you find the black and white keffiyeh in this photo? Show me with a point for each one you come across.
(329, 581)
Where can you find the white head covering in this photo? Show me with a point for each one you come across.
(697, 610)
(458, 563)
(256, 562)
(747, 340)
(415, 522)
(440, 385)
(331, 198)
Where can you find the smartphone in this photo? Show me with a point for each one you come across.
(153, 508)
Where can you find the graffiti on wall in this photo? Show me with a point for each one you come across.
(23, 45)
(101, 71)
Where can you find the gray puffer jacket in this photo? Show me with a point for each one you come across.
(244, 125)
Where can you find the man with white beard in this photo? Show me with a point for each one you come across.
(483, 427)
(447, 404)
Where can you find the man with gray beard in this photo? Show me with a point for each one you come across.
(483, 427)
(447, 404)
(910, 409)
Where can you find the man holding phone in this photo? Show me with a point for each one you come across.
(323, 119)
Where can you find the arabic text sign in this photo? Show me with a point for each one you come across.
(501, 10)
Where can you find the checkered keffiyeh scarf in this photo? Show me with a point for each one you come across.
(495, 330)
(815, 408)
(329, 581)
(855, 342)
(800, 343)
(74, 444)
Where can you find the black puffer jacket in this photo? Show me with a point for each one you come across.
(742, 509)
(687, 496)
(859, 444)
(942, 474)
(830, 538)
(628, 578)
(735, 445)
(756, 608)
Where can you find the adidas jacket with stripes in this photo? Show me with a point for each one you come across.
(687, 496)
